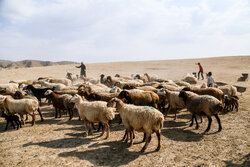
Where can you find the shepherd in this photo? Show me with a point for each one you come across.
(83, 70)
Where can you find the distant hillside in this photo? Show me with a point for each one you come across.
(31, 63)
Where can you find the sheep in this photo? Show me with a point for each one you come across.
(229, 90)
(69, 105)
(231, 103)
(197, 104)
(70, 91)
(174, 101)
(182, 83)
(21, 95)
(123, 77)
(98, 88)
(190, 79)
(11, 119)
(57, 101)
(21, 107)
(9, 86)
(7, 92)
(56, 86)
(102, 96)
(38, 92)
(121, 84)
(94, 112)
(139, 118)
(64, 81)
(146, 98)
(153, 78)
(215, 92)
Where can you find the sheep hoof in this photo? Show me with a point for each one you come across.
(142, 150)
(158, 148)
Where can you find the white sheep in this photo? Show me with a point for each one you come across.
(172, 98)
(139, 118)
(229, 90)
(94, 112)
(21, 107)
(57, 86)
(9, 86)
(65, 81)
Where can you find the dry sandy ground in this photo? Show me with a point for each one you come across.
(59, 142)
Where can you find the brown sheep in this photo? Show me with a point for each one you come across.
(215, 92)
(147, 98)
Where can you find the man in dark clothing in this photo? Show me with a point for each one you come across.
(83, 69)
(200, 71)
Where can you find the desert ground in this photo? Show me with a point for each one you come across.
(60, 142)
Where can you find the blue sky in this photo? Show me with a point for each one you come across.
(123, 30)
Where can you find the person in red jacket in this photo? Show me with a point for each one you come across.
(200, 71)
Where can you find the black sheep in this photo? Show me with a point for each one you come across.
(39, 92)
(11, 119)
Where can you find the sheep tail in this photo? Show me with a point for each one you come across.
(160, 121)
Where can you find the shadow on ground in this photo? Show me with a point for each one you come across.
(105, 154)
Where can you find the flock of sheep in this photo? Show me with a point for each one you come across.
(139, 101)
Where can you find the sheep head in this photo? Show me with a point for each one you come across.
(48, 92)
(76, 98)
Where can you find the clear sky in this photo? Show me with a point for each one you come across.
(123, 30)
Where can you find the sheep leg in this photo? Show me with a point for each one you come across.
(94, 126)
(12, 123)
(7, 123)
(103, 129)
(17, 123)
(60, 113)
(125, 135)
(56, 113)
(169, 109)
(90, 129)
(108, 130)
(26, 117)
(131, 137)
(158, 134)
(21, 116)
(144, 137)
(38, 110)
(148, 139)
(201, 119)
(99, 127)
(197, 125)
(33, 119)
(175, 111)
(70, 114)
(192, 119)
(209, 123)
(86, 129)
(218, 120)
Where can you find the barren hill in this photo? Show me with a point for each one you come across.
(31, 63)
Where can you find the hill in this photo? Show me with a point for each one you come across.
(30, 63)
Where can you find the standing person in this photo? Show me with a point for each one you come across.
(210, 80)
(83, 69)
(200, 71)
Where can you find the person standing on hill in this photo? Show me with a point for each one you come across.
(210, 80)
(83, 69)
(200, 71)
